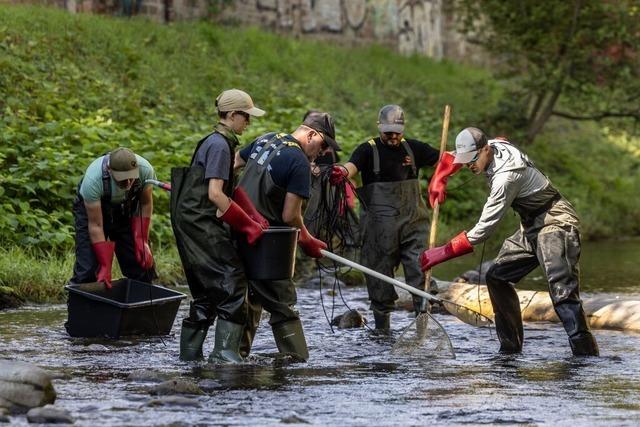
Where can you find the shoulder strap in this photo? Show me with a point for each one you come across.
(409, 151)
(106, 180)
(376, 157)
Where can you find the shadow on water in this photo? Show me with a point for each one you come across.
(351, 378)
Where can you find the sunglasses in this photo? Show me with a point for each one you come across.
(475, 158)
(391, 134)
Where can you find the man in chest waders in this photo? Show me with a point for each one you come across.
(112, 213)
(394, 222)
(277, 179)
(203, 213)
(549, 236)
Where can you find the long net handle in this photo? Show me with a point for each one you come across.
(436, 209)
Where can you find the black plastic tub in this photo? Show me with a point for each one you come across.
(273, 257)
(128, 308)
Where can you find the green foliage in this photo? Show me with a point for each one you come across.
(576, 59)
(73, 87)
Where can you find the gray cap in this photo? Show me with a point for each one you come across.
(123, 164)
(468, 142)
(391, 119)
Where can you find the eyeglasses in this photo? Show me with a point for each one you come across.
(475, 158)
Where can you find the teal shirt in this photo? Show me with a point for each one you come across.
(91, 187)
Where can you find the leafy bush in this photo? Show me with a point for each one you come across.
(73, 87)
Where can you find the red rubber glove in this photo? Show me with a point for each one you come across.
(310, 245)
(456, 247)
(140, 231)
(104, 254)
(438, 183)
(242, 199)
(240, 221)
(339, 174)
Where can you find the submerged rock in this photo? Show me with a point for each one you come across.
(148, 375)
(49, 414)
(294, 419)
(24, 386)
(352, 277)
(349, 319)
(176, 386)
(174, 401)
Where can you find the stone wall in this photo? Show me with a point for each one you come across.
(424, 27)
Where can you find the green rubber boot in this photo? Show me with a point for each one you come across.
(192, 337)
(227, 342)
(290, 339)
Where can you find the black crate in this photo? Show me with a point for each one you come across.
(128, 308)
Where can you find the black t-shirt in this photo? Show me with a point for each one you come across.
(395, 164)
(290, 169)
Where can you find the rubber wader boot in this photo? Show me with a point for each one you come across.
(290, 339)
(382, 320)
(192, 336)
(227, 342)
(584, 344)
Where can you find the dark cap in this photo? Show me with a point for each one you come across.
(468, 142)
(123, 164)
(391, 119)
(322, 122)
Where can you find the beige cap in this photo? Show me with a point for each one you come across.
(123, 164)
(237, 100)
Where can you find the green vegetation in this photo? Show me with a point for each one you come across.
(73, 87)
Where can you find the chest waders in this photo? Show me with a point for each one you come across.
(548, 237)
(394, 228)
(116, 220)
(278, 297)
(211, 264)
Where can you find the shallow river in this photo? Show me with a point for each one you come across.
(351, 379)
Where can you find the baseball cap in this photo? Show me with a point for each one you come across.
(468, 142)
(123, 164)
(237, 100)
(323, 122)
(391, 119)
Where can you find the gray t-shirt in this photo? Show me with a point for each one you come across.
(214, 156)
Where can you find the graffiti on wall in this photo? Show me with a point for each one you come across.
(414, 26)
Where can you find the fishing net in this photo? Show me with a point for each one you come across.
(424, 336)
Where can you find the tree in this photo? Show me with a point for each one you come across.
(576, 59)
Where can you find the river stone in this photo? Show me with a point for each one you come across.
(176, 386)
(148, 375)
(173, 400)
(24, 386)
(49, 414)
(352, 277)
(293, 419)
(349, 319)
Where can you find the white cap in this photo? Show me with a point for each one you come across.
(468, 142)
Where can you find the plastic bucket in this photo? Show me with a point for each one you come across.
(128, 308)
(273, 257)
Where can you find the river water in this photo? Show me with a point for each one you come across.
(351, 379)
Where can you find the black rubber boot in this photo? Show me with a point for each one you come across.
(192, 336)
(290, 339)
(575, 323)
(227, 342)
(382, 320)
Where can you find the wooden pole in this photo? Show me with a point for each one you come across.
(436, 207)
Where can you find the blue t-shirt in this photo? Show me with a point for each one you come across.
(214, 156)
(290, 169)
